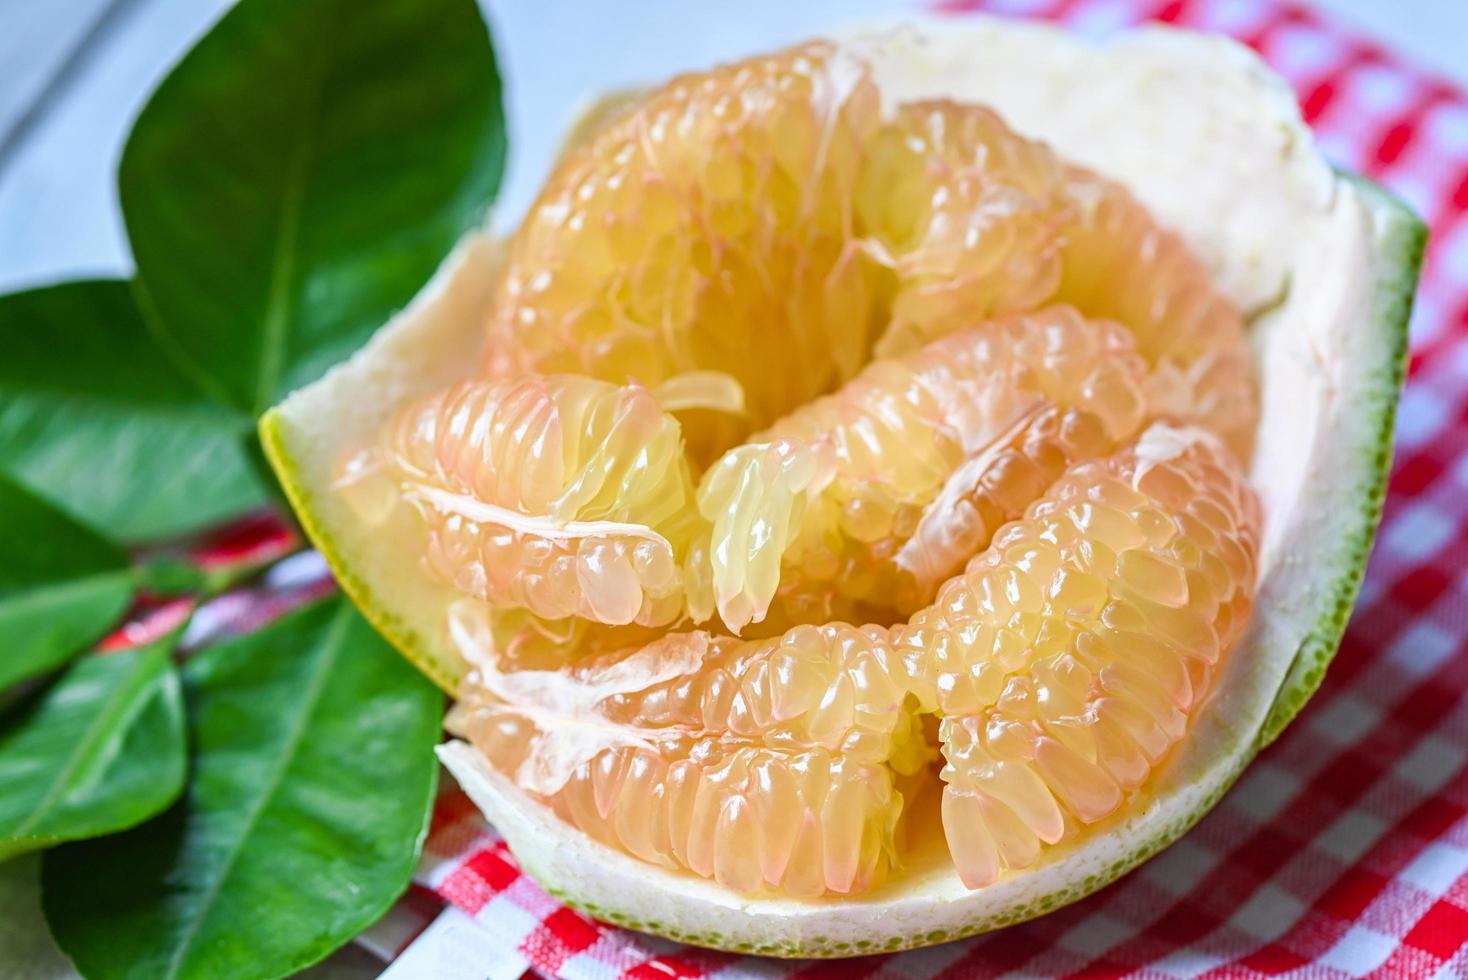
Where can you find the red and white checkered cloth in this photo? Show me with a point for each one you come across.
(1343, 851)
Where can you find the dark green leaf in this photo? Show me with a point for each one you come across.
(99, 751)
(94, 417)
(312, 786)
(61, 585)
(299, 176)
(167, 575)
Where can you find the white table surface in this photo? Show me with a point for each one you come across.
(74, 72)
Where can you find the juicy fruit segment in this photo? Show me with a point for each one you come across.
(875, 494)
(1067, 659)
(1118, 263)
(762, 764)
(754, 497)
(767, 764)
(966, 212)
(1039, 596)
(981, 220)
(806, 823)
(712, 222)
(559, 495)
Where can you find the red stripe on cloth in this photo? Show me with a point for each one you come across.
(1270, 960)
(663, 967)
(558, 937)
(495, 868)
(851, 969)
(1402, 130)
(1282, 16)
(994, 955)
(1459, 200)
(1434, 817)
(1170, 13)
(1320, 96)
(1416, 473)
(484, 875)
(1059, 10)
(1421, 587)
(255, 539)
(1441, 931)
(150, 619)
(1397, 137)
(1349, 896)
(1101, 969)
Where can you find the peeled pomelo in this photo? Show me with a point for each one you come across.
(1113, 585)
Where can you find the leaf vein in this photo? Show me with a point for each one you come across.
(291, 744)
(283, 262)
(117, 700)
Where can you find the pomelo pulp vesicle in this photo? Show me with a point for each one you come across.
(946, 590)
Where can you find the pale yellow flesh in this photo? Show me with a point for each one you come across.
(1214, 145)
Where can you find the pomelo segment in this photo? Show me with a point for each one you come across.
(1067, 659)
(981, 220)
(1117, 262)
(559, 494)
(1324, 268)
(768, 765)
(714, 221)
(886, 487)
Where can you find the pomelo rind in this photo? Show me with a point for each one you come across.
(1326, 265)
(1402, 242)
(403, 360)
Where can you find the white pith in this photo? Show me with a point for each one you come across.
(1213, 144)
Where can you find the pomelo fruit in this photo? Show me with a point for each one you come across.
(828, 506)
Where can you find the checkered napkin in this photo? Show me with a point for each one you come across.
(1343, 851)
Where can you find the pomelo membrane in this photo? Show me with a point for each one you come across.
(964, 747)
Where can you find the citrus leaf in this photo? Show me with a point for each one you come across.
(99, 751)
(61, 585)
(313, 778)
(94, 417)
(300, 174)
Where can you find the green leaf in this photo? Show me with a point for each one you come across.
(312, 787)
(61, 585)
(168, 575)
(94, 417)
(299, 176)
(99, 751)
